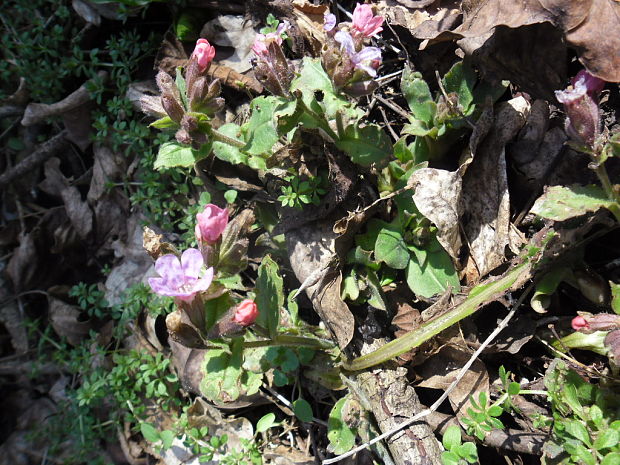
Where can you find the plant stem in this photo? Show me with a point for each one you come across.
(218, 136)
(478, 296)
(290, 341)
(601, 172)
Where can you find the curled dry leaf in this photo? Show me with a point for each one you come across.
(67, 322)
(309, 19)
(485, 198)
(312, 248)
(232, 31)
(437, 195)
(154, 244)
(87, 12)
(22, 269)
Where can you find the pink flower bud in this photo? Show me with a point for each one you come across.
(211, 223)
(203, 54)
(246, 313)
(579, 323)
(364, 22)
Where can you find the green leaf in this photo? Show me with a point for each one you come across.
(560, 203)
(461, 80)
(366, 145)
(580, 453)
(149, 432)
(164, 123)
(469, 452)
(260, 130)
(449, 458)
(269, 295)
(577, 429)
(452, 437)
(222, 373)
(416, 127)
(167, 438)
(546, 287)
(227, 152)
(431, 271)
(266, 422)
(418, 96)
(303, 410)
(392, 249)
(402, 152)
(514, 388)
(173, 154)
(313, 78)
(495, 411)
(231, 195)
(607, 439)
(341, 436)
(611, 459)
(615, 297)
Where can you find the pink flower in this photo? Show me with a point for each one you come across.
(203, 54)
(364, 22)
(211, 223)
(181, 278)
(246, 313)
(329, 22)
(579, 323)
(262, 41)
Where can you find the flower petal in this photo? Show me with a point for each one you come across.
(204, 282)
(192, 262)
(346, 41)
(158, 285)
(169, 268)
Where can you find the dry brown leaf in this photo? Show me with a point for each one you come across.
(78, 211)
(437, 195)
(232, 31)
(590, 26)
(309, 19)
(86, 11)
(423, 23)
(440, 370)
(485, 198)
(67, 322)
(312, 248)
(22, 267)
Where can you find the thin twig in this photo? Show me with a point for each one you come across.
(443, 397)
(41, 154)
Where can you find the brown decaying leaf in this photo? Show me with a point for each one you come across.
(154, 244)
(590, 26)
(22, 267)
(440, 370)
(437, 195)
(231, 31)
(485, 198)
(309, 20)
(312, 248)
(65, 319)
(87, 12)
(425, 23)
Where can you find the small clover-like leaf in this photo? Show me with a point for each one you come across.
(303, 410)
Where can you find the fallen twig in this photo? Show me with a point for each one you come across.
(45, 151)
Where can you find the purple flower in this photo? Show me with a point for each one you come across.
(580, 101)
(364, 22)
(181, 278)
(367, 59)
(329, 21)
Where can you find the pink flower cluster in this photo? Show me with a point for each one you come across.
(262, 41)
(365, 23)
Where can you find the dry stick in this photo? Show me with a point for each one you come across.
(41, 154)
(443, 397)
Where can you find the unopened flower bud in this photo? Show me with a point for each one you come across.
(246, 313)
(210, 223)
(579, 323)
(203, 54)
(172, 107)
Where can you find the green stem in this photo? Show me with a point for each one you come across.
(218, 136)
(321, 122)
(478, 296)
(290, 341)
(601, 172)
